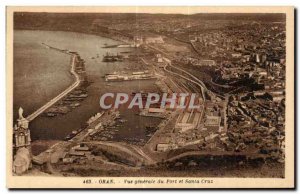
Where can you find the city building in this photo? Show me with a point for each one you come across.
(213, 122)
(154, 39)
(187, 121)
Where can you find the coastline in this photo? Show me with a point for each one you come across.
(103, 35)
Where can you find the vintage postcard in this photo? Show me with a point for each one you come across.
(150, 97)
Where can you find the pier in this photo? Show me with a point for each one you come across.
(65, 92)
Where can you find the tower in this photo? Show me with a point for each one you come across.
(21, 145)
(21, 133)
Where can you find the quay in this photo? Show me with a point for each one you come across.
(65, 92)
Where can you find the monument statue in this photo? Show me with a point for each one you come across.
(21, 113)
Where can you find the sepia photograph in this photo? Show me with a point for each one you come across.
(150, 97)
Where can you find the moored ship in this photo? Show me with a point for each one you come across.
(112, 58)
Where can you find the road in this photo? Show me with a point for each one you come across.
(215, 153)
(60, 96)
(142, 153)
(113, 164)
(137, 153)
(219, 85)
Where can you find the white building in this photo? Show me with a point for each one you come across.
(154, 39)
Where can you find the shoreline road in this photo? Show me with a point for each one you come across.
(61, 95)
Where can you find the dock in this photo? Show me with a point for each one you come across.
(65, 92)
